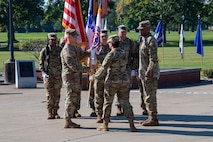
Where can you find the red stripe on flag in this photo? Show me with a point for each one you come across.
(80, 22)
(67, 24)
(72, 18)
(69, 13)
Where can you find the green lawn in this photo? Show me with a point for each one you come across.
(169, 55)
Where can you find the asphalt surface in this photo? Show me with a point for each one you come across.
(185, 114)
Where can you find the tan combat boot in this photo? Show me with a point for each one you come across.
(99, 119)
(151, 121)
(132, 125)
(77, 114)
(93, 113)
(104, 127)
(55, 113)
(70, 124)
(67, 123)
(144, 111)
(50, 114)
(119, 111)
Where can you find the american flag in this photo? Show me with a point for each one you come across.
(72, 18)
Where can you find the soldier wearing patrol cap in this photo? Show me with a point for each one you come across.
(71, 74)
(129, 47)
(99, 83)
(114, 71)
(149, 71)
(50, 65)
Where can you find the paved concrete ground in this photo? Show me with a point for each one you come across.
(185, 115)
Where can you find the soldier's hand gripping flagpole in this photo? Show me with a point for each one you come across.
(95, 48)
(91, 82)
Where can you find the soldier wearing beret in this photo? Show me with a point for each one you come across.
(50, 65)
(114, 71)
(71, 72)
(149, 71)
(129, 47)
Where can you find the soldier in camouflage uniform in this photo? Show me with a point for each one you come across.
(114, 70)
(71, 70)
(140, 86)
(99, 83)
(131, 53)
(50, 65)
(149, 71)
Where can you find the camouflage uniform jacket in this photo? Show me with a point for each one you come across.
(129, 47)
(114, 67)
(148, 57)
(104, 50)
(70, 58)
(54, 63)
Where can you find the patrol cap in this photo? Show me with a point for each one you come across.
(104, 32)
(52, 36)
(71, 32)
(122, 28)
(113, 39)
(143, 24)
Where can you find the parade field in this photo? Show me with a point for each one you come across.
(182, 116)
(169, 55)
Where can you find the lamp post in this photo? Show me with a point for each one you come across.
(10, 65)
(11, 31)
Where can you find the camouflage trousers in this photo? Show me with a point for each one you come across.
(150, 86)
(73, 96)
(117, 103)
(140, 86)
(99, 95)
(122, 91)
(53, 89)
(92, 97)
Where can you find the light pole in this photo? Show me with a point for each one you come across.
(10, 65)
(11, 31)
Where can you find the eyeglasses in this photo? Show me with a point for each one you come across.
(53, 39)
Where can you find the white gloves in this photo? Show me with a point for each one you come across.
(44, 75)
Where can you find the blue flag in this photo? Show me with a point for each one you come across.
(90, 26)
(198, 40)
(159, 33)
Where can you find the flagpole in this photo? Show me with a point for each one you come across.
(202, 61)
(202, 45)
(183, 38)
(163, 39)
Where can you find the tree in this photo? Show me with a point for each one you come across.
(133, 11)
(24, 12)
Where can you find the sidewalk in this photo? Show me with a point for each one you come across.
(185, 114)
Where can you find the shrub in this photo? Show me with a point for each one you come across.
(208, 73)
(32, 46)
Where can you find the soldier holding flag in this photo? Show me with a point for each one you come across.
(71, 70)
